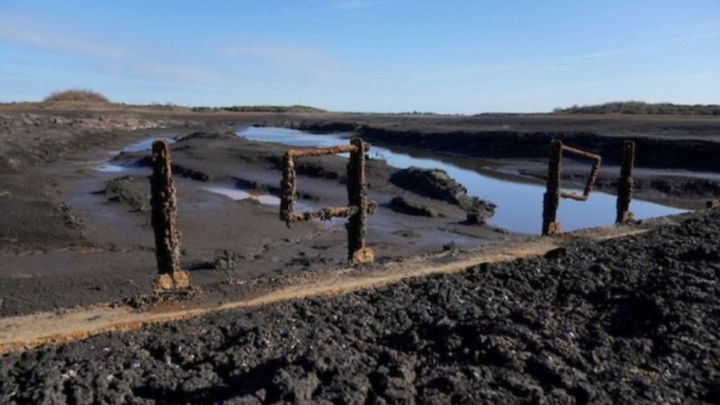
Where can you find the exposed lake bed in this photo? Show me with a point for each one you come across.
(80, 236)
(87, 226)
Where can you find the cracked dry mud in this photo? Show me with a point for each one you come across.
(633, 320)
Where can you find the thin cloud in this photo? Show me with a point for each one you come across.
(111, 57)
(162, 71)
(489, 70)
(308, 60)
(25, 34)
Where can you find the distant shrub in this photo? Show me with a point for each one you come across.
(641, 108)
(76, 95)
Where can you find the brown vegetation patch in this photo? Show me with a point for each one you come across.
(76, 96)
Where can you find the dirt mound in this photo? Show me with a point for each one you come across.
(76, 96)
(132, 191)
(437, 184)
(632, 321)
(433, 183)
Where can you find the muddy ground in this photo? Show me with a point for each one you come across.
(633, 320)
(74, 228)
(627, 321)
(70, 228)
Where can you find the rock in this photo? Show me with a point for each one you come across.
(432, 183)
(480, 211)
(437, 184)
(405, 206)
(294, 384)
(129, 190)
(226, 260)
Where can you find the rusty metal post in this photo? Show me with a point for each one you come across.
(164, 221)
(625, 185)
(551, 199)
(358, 197)
(287, 187)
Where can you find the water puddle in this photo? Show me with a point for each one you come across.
(110, 168)
(519, 205)
(237, 194)
(144, 145)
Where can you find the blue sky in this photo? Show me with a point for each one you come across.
(365, 55)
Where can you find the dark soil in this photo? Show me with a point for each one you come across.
(634, 320)
(410, 207)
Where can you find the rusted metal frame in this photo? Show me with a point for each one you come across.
(597, 159)
(358, 252)
(289, 186)
(358, 208)
(163, 201)
(326, 214)
(288, 194)
(625, 185)
(551, 198)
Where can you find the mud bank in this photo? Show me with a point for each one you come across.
(88, 238)
(656, 152)
(623, 321)
(683, 190)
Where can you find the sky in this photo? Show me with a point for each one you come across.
(449, 56)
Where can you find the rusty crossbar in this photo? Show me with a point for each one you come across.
(358, 205)
(591, 178)
(297, 153)
(164, 222)
(551, 198)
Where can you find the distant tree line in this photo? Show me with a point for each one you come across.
(641, 108)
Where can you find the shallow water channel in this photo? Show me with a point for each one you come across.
(519, 205)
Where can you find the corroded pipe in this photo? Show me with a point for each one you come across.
(287, 187)
(625, 185)
(597, 159)
(326, 214)
(357, 197)
(164, 221)
(296, 153)
(551, 199)
(578, 152)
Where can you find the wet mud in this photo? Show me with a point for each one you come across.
(632, 320)
(80, 230)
